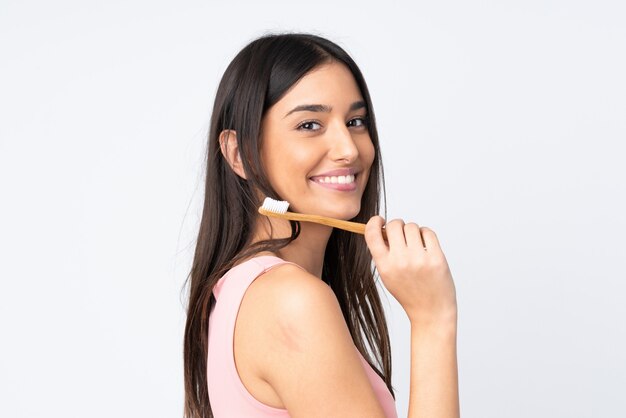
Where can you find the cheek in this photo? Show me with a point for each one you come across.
(288, 167)
(299, 157)
(367, 152)
(273, 168)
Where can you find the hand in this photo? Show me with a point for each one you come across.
(413, 268)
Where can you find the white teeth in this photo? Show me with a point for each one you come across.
(337, 179)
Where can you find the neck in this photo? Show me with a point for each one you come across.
(307, 250)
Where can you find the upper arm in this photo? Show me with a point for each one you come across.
(309, 357)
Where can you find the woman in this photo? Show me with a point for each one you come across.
(281, 314)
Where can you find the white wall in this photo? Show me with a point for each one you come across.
(502, 126)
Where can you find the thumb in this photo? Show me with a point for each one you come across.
(374, 237)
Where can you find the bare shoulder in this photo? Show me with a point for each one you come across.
(293, 290)
(303, 349)
(284, 301)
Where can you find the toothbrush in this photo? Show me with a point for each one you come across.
(278, 209)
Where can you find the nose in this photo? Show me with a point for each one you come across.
(342, 145)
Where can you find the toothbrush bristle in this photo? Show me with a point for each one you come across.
(276, 206)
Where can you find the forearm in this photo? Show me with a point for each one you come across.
(434, 389)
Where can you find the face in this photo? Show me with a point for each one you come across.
(316, 147)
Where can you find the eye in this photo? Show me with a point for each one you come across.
(306, 125)
(362, 121)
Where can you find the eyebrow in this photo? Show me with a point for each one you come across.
(322, 108)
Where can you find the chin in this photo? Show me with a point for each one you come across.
(344, 215)
(332, 208)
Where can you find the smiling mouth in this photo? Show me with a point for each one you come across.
(348, 179)
(342, 183)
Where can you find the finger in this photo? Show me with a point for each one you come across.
(430, 238)
(413, 236)
(395, 234)
(374, 237)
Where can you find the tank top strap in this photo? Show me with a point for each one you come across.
(248, 271)
(267, 262)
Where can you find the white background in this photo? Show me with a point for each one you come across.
(502, 127)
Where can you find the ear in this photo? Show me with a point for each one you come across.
(230, 151)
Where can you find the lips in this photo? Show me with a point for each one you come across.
(342, 179)
(341, 183)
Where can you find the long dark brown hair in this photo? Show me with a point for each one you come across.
(255, 80)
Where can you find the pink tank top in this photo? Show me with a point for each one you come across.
(228, 395)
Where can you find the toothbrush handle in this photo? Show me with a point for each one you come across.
(356, 227)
